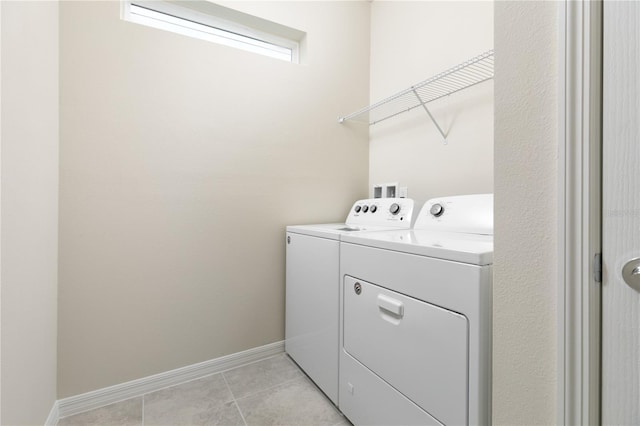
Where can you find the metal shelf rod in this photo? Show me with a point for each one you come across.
(444, 136)
(467, 74)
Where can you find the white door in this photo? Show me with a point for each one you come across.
(621, 214)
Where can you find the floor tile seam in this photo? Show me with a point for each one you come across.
(221, 372)
(235, 402)
(284, 355)
(317, 388)
(323, 395)
(142, 395)
(270, 388)
(213, 374)
(176, 384)
(224, 400)
(244, 421)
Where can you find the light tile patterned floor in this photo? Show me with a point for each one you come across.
(269, 392)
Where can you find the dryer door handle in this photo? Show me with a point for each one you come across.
(391, 305)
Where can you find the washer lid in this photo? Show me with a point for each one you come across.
(466, 248)
(333, 230)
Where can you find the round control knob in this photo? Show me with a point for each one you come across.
(373, 208)
(437, 210)
(357, 209)
(365, 209)
(395, 208)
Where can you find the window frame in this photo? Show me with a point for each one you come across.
(214, 23)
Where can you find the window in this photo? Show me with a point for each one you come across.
(218, 24)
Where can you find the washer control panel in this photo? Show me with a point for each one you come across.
(395, 212)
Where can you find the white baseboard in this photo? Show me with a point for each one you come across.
(101, 397)
(54, 416)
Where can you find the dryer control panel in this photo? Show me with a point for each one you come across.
(387, 212)
(471, 214)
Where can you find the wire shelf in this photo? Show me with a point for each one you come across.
(465, 75)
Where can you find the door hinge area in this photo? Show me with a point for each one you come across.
(597, 267)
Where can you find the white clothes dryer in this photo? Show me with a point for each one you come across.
(415, 318)
(313, 281)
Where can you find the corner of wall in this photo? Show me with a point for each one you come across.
(29, 140)
(526, 191)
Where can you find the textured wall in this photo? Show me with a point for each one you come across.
(181, 163)
(410, 42)
(526, 255)
(29, 231)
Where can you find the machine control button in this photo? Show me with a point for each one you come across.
(365, 208)
(437, 210)
(373, 208)
(395, 208)
(357, 208)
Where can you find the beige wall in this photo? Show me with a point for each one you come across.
(29, 210)
(410, 42)
(526, 255)
(181, 163)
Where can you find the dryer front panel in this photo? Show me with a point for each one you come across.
(312, 308)
(418, 348)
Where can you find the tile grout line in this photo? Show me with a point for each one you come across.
(207, 375)
(182, 383)
(300, 376)
(308, 379)
(283, 355)
(235, 401)
(275, 386)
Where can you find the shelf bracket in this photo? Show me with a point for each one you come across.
(444, 135)
(467, 74)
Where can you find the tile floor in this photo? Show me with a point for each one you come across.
(273, 391)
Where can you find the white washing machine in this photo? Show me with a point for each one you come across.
(415, 318)
(313, 281)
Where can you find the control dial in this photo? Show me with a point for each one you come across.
(357, 208)
(394, 209)
(365, 209)
(373, 208)
(437, 210)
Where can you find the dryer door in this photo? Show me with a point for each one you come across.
(418, 348)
